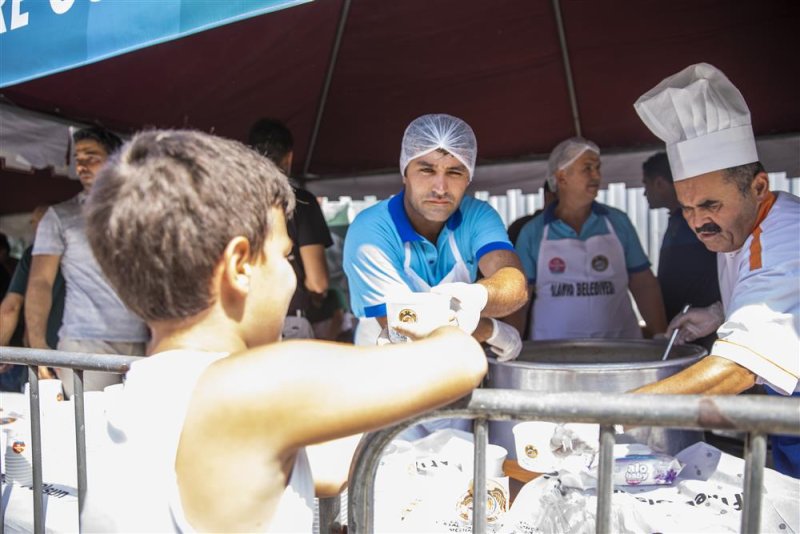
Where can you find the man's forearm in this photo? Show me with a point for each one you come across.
(9, 316)
(38, 301)
(508, 292)
(315, 267)
(713, 375)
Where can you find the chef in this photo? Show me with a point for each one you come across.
(581, 258)
(725, 197)
(433, 237)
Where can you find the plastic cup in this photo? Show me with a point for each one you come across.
(428, 310)
(495, 456)
(532, 444)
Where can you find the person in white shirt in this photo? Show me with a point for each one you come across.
(210, 432)
(725, 197)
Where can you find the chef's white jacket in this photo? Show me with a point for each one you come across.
(760, 288)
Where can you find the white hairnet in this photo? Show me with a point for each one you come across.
(564, 155)
(439, 131)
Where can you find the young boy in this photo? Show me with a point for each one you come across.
(210, 431)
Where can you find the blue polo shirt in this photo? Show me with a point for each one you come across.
(374, 249)
(530, 237)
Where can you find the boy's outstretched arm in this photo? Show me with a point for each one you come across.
(255, 409)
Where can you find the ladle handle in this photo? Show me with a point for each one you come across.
(674, 335)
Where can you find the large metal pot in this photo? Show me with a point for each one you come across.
(593, 365)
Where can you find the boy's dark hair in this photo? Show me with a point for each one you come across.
(110, 141)
(657, 165)
(166, 205)
(271, 138)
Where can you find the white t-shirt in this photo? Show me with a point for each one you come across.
(760, 289)
(133, 485)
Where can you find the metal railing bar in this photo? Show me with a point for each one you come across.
(360, 515)
(36, 450)
(757, 413)
(80, 437)
(752, 413)
(110, 363)
(755, 456)
(481, 439)
(605, 481)
(328, 511)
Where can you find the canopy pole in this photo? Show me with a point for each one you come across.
(326, 86)
(573, 100)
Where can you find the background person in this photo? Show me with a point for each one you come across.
(7, 263)
(95, 319)
(211, 430)
(307, 229)
(12, 329)
(582, 257)
(515, 227)
(687, 270)
(724, 191)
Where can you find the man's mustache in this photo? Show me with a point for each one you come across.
(708, 228)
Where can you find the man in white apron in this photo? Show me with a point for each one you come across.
(431, 237)
(582, 257)
(726, 200)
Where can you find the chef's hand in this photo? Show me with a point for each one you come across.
(504, 341)
(468, 300)
(696, 323)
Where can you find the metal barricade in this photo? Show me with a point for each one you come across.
(756, 415)
(78, 362)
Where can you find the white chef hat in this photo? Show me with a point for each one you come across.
(439, 131)
(564, 155)
(703, 119)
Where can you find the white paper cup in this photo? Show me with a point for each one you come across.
(18, 467)
(50, 390)
(429, 310)
(532, 444)
(50, 393)
(495, 456)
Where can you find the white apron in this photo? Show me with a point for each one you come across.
(369, 329)
(582, 290)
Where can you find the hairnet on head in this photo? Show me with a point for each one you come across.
(439, 131)
(565, 154)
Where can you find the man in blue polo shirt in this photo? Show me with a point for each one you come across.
(582, 257)
(430, 237)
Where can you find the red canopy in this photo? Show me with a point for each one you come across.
(497, 64)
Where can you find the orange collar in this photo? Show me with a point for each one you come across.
(755, 244)
(764, 208)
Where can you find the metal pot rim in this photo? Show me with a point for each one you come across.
(682, 361)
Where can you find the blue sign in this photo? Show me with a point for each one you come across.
(41, 37)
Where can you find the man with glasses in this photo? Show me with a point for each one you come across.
(95, 319)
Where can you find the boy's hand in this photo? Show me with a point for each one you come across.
(415, 331)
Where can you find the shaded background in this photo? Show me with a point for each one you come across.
(499, 65)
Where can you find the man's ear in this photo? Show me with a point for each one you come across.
(236, 266)
(560, 178)
(286, 163)
(760, 186)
